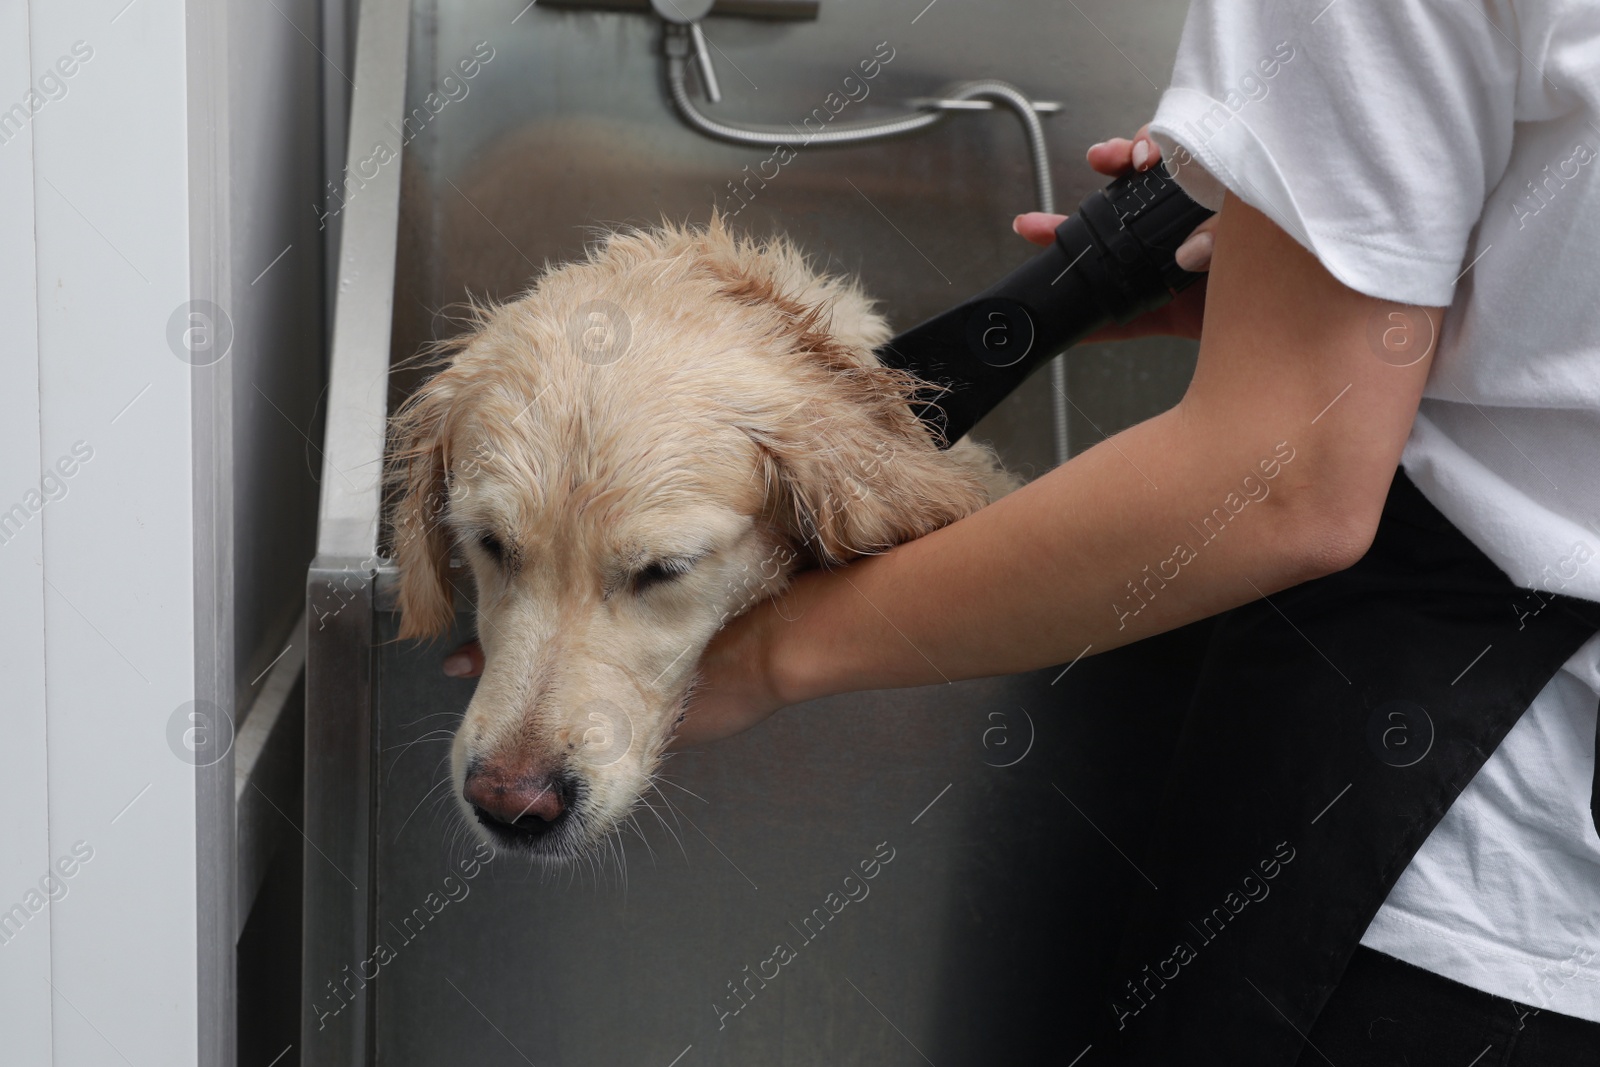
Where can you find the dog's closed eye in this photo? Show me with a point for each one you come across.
(661, 572)
(493, 546)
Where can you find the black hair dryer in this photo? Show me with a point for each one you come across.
(1111, 262)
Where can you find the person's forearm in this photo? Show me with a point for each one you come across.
(1272, 471)
(1157, 527)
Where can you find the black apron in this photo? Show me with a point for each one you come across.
(1331, 727)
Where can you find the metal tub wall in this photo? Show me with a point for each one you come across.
(986, 810)
(568, 129)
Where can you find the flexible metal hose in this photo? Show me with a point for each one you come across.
(761, 136)
(847, 133)
(765, 136)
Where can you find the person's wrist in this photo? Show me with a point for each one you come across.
(782, 649)
(773, 658)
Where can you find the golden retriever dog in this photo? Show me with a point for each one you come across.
(637, 449)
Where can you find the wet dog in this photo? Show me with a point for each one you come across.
(640, 447)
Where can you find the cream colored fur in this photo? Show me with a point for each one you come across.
(745, 426)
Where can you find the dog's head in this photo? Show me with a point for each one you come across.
(635, 451)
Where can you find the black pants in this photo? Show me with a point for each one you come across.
(1387, 1013)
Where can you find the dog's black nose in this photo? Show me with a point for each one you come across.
(520, 805)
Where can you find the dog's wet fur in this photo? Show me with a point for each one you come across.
(643, 445)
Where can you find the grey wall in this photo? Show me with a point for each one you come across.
(276, 165)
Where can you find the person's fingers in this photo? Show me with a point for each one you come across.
(464, 662)
(1037, 226)
(1120, 154)
(1111, 157)
(1195, 253)
(1145, 153)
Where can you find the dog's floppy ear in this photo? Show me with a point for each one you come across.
(854, 471)
(419, 465)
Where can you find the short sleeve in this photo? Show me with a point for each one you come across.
(1370, 130)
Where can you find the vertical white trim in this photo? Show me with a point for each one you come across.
(25, 859)
(113, 265)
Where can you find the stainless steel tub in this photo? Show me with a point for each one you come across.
(1010, 809)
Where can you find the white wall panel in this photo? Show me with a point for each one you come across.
(25, 859)
(113, 264)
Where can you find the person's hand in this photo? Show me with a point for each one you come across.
(464, 662)
(1184, 315)
(734, 690)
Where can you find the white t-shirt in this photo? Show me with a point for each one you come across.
(1447, 152)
